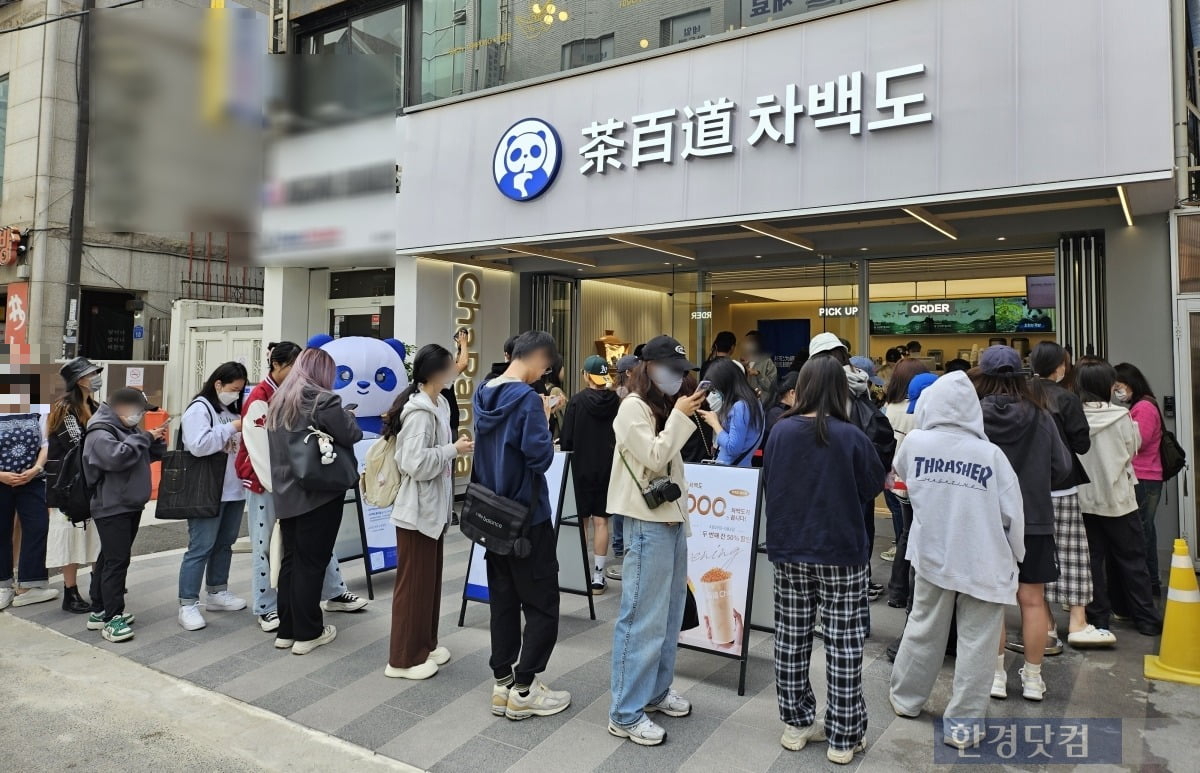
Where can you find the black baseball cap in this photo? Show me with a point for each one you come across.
(666, 350)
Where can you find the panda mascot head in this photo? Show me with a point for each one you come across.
(369, 372)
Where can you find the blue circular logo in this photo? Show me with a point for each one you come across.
(526, 159)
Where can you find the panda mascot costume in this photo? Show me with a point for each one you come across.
(369, 375)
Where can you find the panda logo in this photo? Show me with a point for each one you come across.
(526, 159)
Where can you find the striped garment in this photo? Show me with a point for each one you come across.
(840, 594)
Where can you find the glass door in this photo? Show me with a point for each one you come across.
(1188, 417)
(556, 310)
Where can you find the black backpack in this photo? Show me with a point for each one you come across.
(72, 488)
(1171, 454)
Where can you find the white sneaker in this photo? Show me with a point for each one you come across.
(6, 597)
(35, 596)
(796, 738)
(419, 671)
(644, 733)
(500, 699)
(224, 601)
(673, 705)
(1033, 687)
(347, 602)
(440, 655)
(1000, 685)
(284, 644)
(269, 622)
(304, 647)
(844, 756)
(540, 701)
(613, 572)
(190, 617)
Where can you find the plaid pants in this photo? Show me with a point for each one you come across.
(840, 592)
(1074, 584)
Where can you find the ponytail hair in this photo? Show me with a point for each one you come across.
(282, 354)
(431, 360)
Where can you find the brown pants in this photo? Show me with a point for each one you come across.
(417, 600)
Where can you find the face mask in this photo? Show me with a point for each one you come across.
(96, 383)
(1121, 396)
(132, 420)
(228, 398)
(668, 381)
(716, 400)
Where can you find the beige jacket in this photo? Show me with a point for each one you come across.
(648, 455)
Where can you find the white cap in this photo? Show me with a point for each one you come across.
(824, 342)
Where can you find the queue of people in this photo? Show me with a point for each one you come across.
(1004, 489)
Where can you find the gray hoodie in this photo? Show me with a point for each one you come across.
(1109, 461)
(122, 455)
(968, 530)
(424, 453)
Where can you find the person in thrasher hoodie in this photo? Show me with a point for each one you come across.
(513, 450)
(966, 539)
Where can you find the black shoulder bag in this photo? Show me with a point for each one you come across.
(190, 486)
(498, 524)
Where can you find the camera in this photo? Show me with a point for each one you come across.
(660, 491)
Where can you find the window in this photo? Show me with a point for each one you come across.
(351, 68)
(689, 26)
(587, 51)
(3, 126)
(443, 43)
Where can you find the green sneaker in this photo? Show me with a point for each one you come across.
(117, 629)
(96, 622)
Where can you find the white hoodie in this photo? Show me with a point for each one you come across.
(968, 531)
(1109, 462)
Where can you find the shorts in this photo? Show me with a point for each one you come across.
(592, 501)
(1041, 563)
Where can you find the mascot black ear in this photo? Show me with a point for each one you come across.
(541, 134)
(398, 346)
(511, 140)
(319, 340)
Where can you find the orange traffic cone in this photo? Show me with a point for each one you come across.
(1178, 658)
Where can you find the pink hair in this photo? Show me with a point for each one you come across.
(313, 370)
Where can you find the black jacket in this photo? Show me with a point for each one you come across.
(774, 414)
(587, 432)
(1029, 438)
(865, 415)
(1067, 411)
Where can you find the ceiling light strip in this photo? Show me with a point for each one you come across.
(932, 220)
(1124, 205)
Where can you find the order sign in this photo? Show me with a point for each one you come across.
(722, 504)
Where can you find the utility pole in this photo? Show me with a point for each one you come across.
(83, 126)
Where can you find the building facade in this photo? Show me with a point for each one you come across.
(955, 172)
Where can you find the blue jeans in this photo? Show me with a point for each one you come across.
(893, 504)
(618, 535)
(1148, 493)
(210, 543)
(28, 504)
(646, 634)
(261, 517)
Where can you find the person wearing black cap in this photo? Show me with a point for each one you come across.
(647, 487)
(1015, 419)
(121, 453)
(70, 544)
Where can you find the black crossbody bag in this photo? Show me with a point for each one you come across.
(498, 524)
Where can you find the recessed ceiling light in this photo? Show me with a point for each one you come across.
(666, 262)
(758, 256)
(862, 249)
(579, 269)
(1001, 238)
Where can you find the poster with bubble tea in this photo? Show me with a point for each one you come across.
(722, 506)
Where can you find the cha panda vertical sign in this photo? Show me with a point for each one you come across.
(526, 160)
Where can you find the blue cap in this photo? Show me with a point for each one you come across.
(920, 382)
(868, 365)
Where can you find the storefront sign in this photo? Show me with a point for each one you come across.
(817, 117)
(467, 285)
(920, 308)
(959, 316)
(722, 504)
(526, 159)
(837, 311)
(16, 319)
(708, 130)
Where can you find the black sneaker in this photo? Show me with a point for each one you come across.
(347, 602)
(599, 585)
(874, 591)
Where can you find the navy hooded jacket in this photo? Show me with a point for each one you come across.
(513, 446)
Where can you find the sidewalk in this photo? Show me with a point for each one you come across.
(76, 706)
(444, 724)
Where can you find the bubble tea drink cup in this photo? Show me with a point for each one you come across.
(718, 600)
